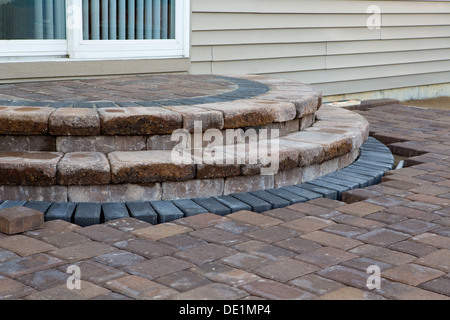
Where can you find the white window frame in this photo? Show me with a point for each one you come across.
(75, 47)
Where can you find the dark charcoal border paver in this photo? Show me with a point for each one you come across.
(375, 159)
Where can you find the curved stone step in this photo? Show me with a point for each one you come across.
(157, 211)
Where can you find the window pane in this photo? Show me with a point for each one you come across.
(128, 19)
(32, 19)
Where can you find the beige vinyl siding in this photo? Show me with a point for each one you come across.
(325, 43)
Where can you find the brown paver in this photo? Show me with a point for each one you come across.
(319, 249)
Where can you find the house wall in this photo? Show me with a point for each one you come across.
(327, 44)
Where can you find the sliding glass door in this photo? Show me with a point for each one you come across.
(35, 27)
(94, 28)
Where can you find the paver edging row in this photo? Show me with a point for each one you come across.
(375, 159)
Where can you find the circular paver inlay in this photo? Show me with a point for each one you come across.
(132, 91)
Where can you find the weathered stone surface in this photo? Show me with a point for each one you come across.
(334, 144)
(74, 121)
(248, 183)
(28, 168)
(195, 188)
(34, 193)
(309, 153)
(20, 219)
(213, 163)
(24, 120)
(114, 193)
(288, 177)
(209, 119)
(139, 120)
(27, 143)
(307, 100)
(161, 142)
(148, 166)
(83, 168)
(307, 121)
(104, 144)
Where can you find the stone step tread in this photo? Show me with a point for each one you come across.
(156, 212)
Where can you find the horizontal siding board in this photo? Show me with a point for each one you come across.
(268, 65)
(349, 74)
(299, 6)
(383, 58)
(282, 36)
(386, 83)
(243, 21)
(372, 46)
(414, 32)
(267, 51)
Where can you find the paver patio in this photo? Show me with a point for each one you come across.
(319, 249)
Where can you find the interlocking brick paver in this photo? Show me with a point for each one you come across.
(412, 274)
(140, 288)
(360, 209)
(285, 270)
(214, 291)
(183, 280)
(158, 267)
(284, 214)
(12, 289)
(383, 254)
(66, 239)
(44, 279)
(439, 259)
(119, 259)
(202, 220)
(439, 285)
(401, 291)
(345, 275)
(25, 246)
(244, 261)
(205, 253)
(412, 247)
(382, 237)
(145, 248)
(182, 241)
(358, 222)
(225, 274)
(161, 231)
(272, 290)
(265, 250)
(307, 224)
(350, 293)
(413, 226)
(96, 272)
(413, 213)
(29, 264)
(273, 234)
(316, 284)
(325, 257)
(298, 245)
(218, 236)
(82, 251)
(255, 219)
(433, 239)
(331, 240)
